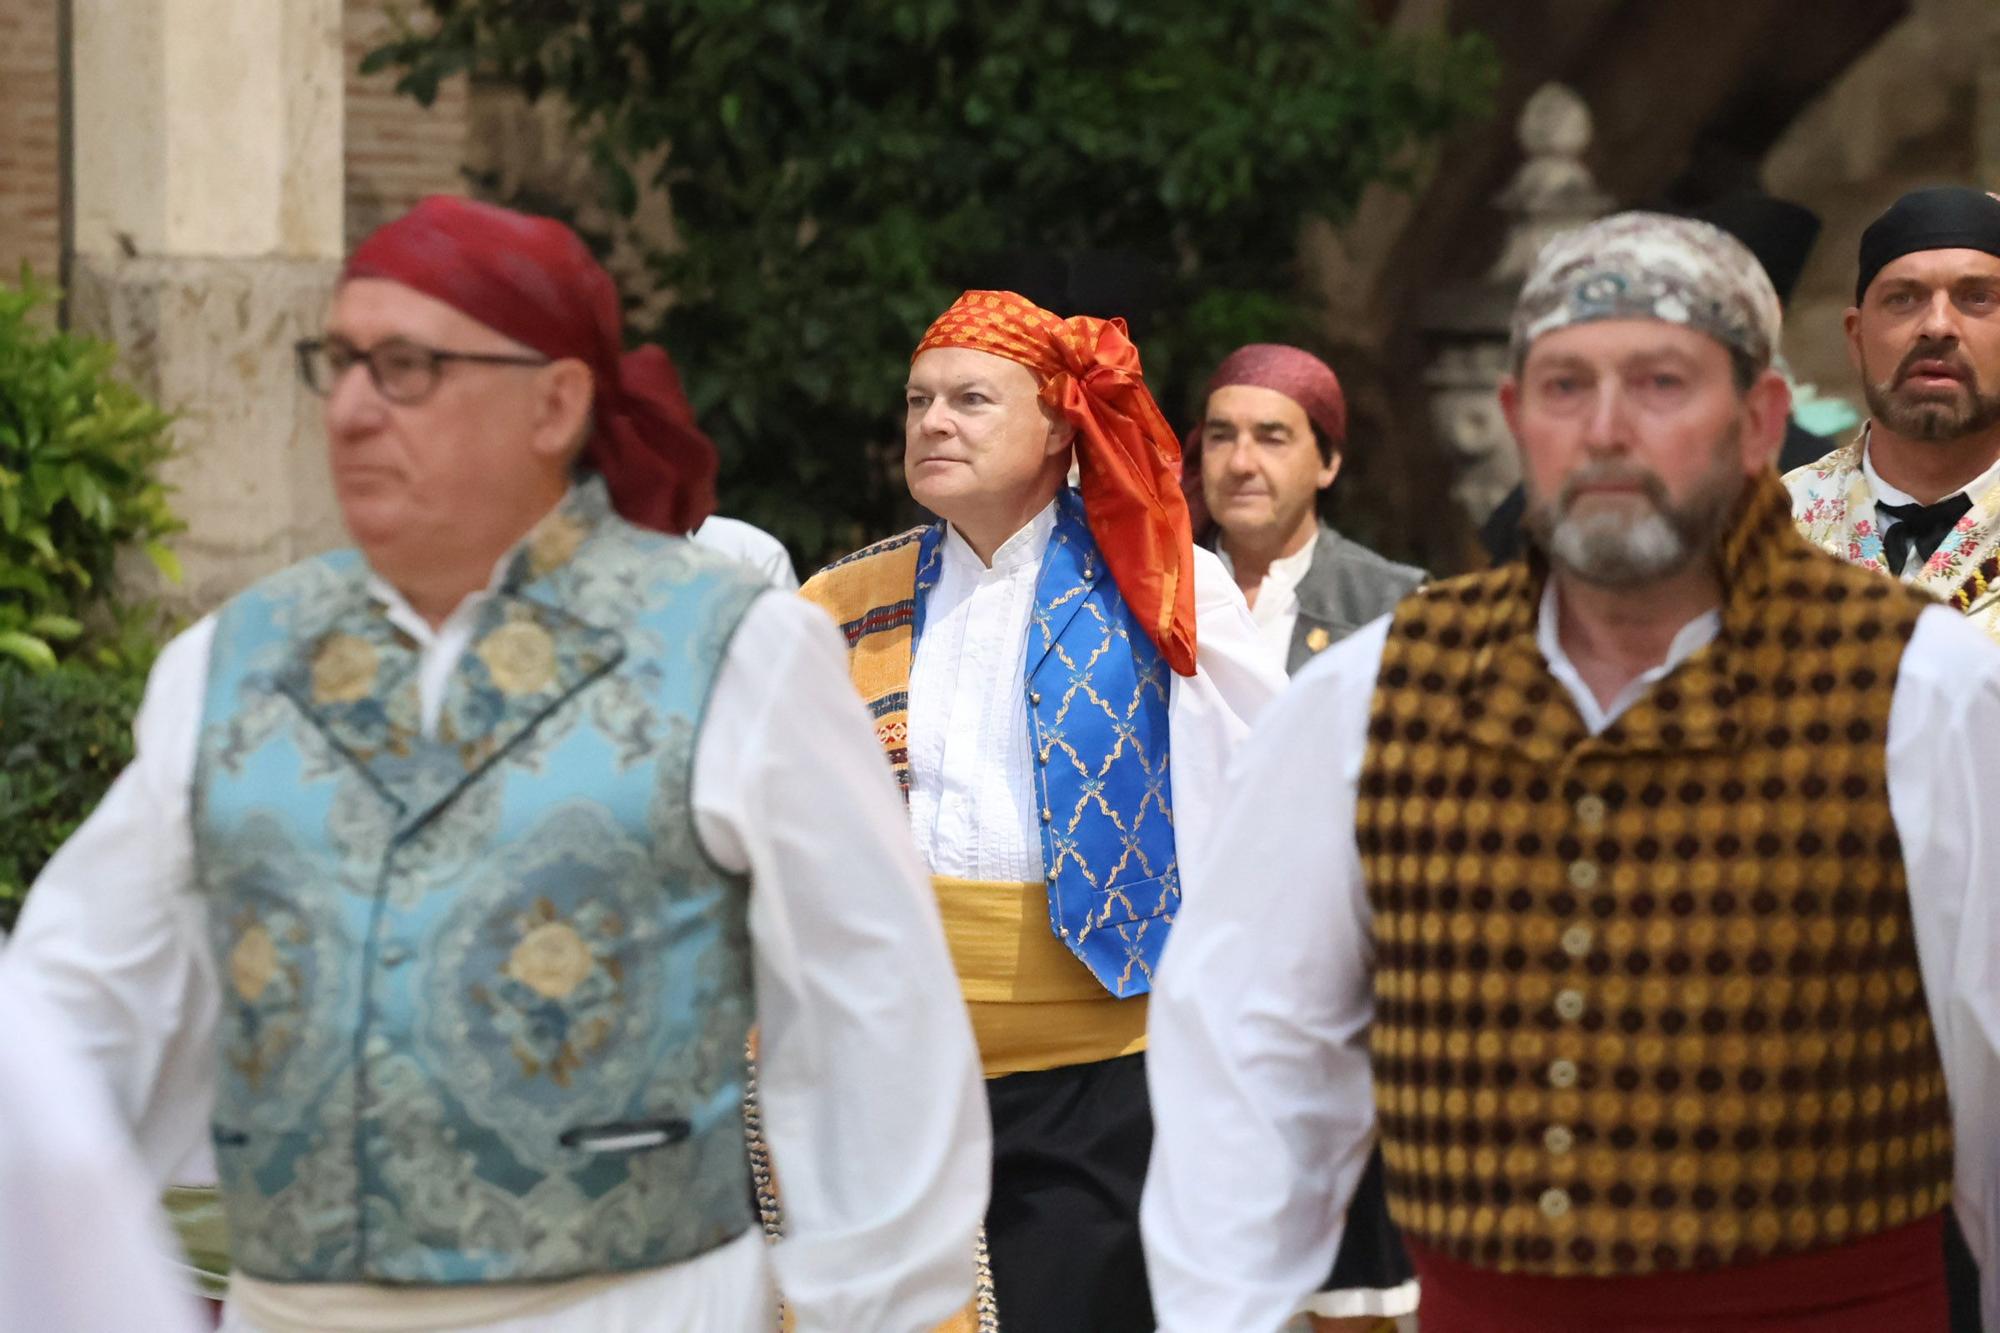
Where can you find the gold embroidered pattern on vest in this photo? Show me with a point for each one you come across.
(1649, 1000)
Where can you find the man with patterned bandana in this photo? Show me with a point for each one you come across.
(1648, 887)
(1032, 665)
(452, 871)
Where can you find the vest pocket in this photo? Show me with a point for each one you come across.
(626, 1136)
(1134, 900)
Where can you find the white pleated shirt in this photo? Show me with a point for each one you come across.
(973, 808)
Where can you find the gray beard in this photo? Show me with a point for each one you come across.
(1614, 550)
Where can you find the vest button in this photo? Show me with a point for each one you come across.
(1047, 815)
(1562, 1074)
(1034, 697)
(375, 1047)
(1590, 812)
(1554, 1204)
(1569, 1005)
(1051, 877)
(1042, 756)
(1576, 941)
(1558, 1139)
(1583, 875)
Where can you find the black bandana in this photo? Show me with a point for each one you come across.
(1944, 217)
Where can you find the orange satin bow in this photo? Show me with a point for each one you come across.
(1128, 457)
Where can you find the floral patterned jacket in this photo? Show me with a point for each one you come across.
(1835, 508)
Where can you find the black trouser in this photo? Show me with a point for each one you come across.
(1961, 1277)
(1062, 1228)
(1371, 1249)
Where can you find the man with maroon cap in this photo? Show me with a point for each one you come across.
(452, 871)
(1267, 447)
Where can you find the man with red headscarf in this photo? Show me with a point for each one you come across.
(452, 871)
(1268, 445)
(1037, 681)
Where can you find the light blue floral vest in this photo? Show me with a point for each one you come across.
(485, 998)
(1097, 691)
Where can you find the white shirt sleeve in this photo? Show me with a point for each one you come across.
(1209, 714)
(112, 939)
(752, 545)
(1944, 772)
(1257, 1061)
(870, 1083)
(82, 1249)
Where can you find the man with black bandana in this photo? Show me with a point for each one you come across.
(1917, 493)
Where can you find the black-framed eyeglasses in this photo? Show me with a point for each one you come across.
(402, 371)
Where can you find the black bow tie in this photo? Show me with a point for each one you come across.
(1920, 528)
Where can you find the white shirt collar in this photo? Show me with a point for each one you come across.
(1689, 640)
(1277, 592)
(1284, 573)
(404, 617)
(1025, 547)
(1885, 494)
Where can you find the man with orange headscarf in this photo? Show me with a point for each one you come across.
(1033, 666)
(453, 870)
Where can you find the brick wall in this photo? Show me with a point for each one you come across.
(397, 150)
(31, 178)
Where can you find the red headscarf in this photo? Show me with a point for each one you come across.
(533, 280)
(1291, 371)
(1127, 455)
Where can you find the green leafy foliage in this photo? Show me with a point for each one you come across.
(838, 168)
(80, 452)
(64, 734)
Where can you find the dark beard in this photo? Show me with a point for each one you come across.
(1932, 420)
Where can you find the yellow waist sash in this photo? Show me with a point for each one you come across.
(1033, 1005)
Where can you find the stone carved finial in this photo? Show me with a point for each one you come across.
(1467, 325)
(1553, 191)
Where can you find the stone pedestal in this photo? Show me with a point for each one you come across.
(208, 234)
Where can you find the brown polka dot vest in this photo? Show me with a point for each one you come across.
(1649, 1000)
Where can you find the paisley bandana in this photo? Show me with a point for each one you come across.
(1651, 266)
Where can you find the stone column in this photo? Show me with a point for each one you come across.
(207, 176)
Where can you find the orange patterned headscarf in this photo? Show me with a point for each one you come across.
(1128, 457)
